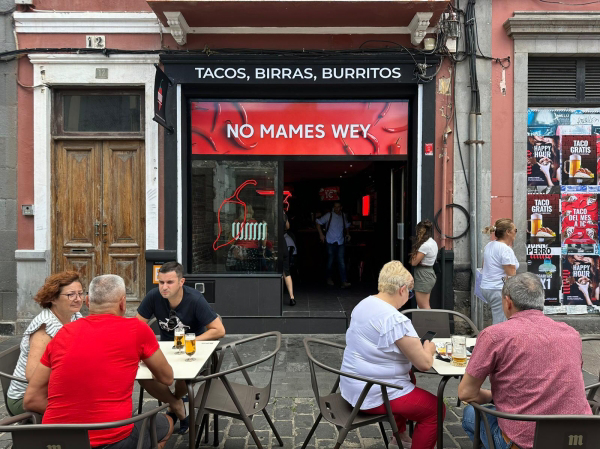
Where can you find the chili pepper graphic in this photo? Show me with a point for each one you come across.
(347, 148)
(395, 148)
(215, 118)
(239, 141)
(205, 136)
(399, 129)
(242, 112)
(371, 138)
(234, 199)
(383, 112)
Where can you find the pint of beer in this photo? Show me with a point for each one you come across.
(536, 223)
(190, 346)
(459, 350)
(574, 165)
(179, 337)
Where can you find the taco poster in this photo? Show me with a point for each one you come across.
(579, 163)
(543, 230)
(579, 219)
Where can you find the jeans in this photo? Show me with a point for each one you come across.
(494, 299)
(334, 250)
(468, 423)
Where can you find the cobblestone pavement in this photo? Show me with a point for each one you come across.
(293, 407)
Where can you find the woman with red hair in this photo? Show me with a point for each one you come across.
(61, 298)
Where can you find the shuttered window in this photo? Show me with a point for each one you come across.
(566, 81)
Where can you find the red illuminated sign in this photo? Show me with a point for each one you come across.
(366, 205)
(302, 128)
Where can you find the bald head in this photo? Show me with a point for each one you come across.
(106, 292)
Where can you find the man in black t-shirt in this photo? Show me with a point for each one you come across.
(173, 303)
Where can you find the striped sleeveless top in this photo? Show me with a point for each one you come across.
(53, 325)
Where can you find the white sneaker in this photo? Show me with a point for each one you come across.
(393, 444)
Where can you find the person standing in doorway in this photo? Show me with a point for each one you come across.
(499, 261)
(287, 277)
(422, 257)
(335, 236)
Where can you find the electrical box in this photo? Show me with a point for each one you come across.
(23, 2)
(27, 209)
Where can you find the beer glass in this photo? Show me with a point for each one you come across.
(574, 165)
(179, 337)
(459, 350)
(536, 223)
(190, 346)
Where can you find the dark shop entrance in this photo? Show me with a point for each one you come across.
(372, 196)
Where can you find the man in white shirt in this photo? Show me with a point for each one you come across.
(335, 236)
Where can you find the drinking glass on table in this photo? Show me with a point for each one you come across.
(190, 346)
(179, 337)
(459, 350)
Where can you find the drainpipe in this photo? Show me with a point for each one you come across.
(473, 237)
(444, 157)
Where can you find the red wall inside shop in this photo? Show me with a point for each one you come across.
(503, 105)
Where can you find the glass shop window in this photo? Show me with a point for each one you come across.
(233, 209)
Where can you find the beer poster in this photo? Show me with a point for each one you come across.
(579, 163)
(579, 222)
(580, 278)
(547, 268)
(543, 230)
(543, 163)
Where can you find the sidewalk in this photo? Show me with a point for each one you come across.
(293, 408)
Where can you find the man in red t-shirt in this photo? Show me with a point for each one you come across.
(87, 373)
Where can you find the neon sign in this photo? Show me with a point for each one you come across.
(244, 230)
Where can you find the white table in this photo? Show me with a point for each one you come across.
(447, 371)
(184, 370)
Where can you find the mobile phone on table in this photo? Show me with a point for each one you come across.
(428, 336)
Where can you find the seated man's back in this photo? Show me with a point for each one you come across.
(534, 363)
(94, 364)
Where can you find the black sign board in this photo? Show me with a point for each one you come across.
(161, 88)
(291, 72)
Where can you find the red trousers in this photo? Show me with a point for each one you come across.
(419, 406)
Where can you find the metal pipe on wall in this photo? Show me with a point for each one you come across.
(473, 237)
(479, 227)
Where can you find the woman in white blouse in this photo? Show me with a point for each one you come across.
(499, 260)
(382, 344)
(422, 257)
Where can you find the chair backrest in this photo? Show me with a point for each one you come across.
(552, 431)
(591, 337)
(8, 361)
(153, 323)
(441, 322)
(69, 436)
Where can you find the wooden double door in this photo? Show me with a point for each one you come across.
(99, 210)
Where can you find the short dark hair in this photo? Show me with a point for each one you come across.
(172, 266)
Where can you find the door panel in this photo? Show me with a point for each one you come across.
(99, 219)
(123, 212)
(77, 212)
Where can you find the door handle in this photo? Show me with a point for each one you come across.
(104, 232)
(97, 228)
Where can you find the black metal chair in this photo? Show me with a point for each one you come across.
(8, 362)
(442, 322)
(594, 404)
(219, 396)
(334, 408)
(551, 431)
(592, 391)
(67, 436)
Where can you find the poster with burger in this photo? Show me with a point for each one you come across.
(579, 163)
(580, 280)
(579, 223)
(543, 164)
(543, 213)
(547, 268)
